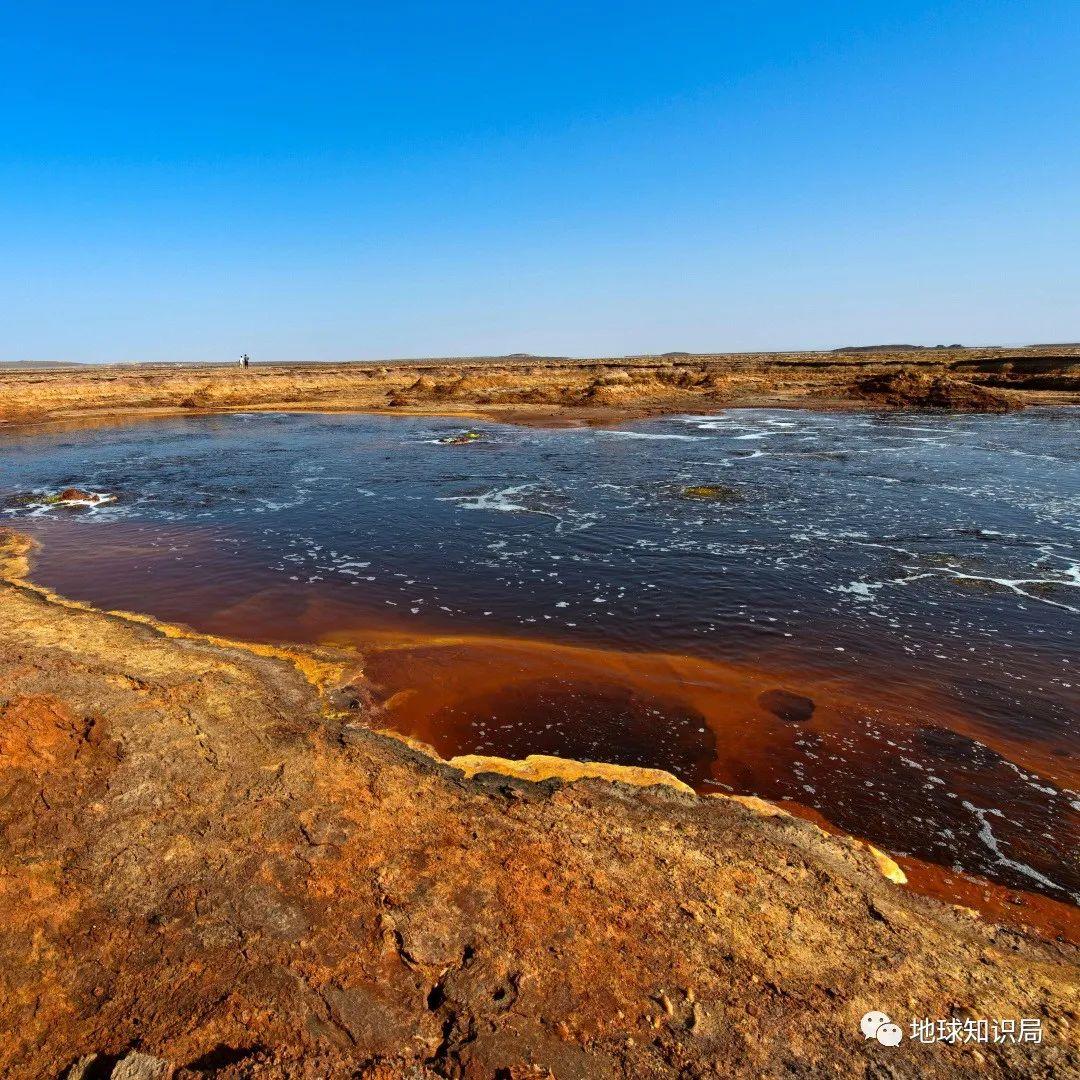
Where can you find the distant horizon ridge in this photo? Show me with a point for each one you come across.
(671, 354)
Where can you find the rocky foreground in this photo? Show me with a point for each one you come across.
(524, 388)
(209, 866)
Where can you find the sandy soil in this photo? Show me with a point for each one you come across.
(558, 390)
(211, 865)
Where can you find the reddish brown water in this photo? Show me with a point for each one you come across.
(762, 647)
(728, 728)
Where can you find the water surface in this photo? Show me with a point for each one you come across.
(877, 624)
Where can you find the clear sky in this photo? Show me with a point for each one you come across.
(355, 180)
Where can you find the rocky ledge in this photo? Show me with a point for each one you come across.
(548, 389)
(907, 389)
(207, 870)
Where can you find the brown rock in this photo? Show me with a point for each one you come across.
(84, 1068)
(618, 377)
(922, 390)
(136, 1066)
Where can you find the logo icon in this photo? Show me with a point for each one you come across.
(877, 1025)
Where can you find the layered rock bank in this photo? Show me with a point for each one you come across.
(524, 388)
(907, 389)
(207, 869)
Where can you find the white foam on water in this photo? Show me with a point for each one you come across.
(97, 500)
(861, 590)
(1013, 584)
(986, 835)
(620, 433)
(500, 500)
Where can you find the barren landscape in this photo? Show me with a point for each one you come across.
(559, 389)
(425, 655)
(214, 862)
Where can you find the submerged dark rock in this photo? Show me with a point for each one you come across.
(787, 705)
(76, 497)
(69, 497)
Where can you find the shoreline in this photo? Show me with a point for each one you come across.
(170, 795)
(538, 417)
(553, 392)
(364, 650)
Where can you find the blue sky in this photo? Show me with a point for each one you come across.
(353, 180)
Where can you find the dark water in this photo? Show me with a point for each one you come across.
(915, 580)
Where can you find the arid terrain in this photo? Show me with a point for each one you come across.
(213, 863)
(212, 866)
(558, 389)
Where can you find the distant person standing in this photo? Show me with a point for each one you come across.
(245, 361)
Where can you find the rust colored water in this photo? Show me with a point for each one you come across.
(871, 631)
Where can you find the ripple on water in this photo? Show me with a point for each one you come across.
(902, 574)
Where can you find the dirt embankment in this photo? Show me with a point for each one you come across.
(209, 865)
(923, 390)
(576, 390)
